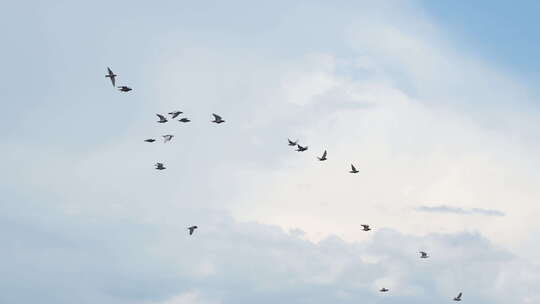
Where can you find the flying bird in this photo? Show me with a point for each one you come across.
(292, 143)
(353, 169)
(160, 166)
(112, 76)
(184, 120)
(423, 255)
(458, 298)
(175, 113)
(124, 88)
(162, 118)
(384, 289)
(365, 227)
(301, 149)
(217, 119)
(150, 140)
(323, 157)
(192, 229)
(167, 138)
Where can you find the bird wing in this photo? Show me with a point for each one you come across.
(353, 168)
(216, 117)
(324, 154)
(459, 295)
(111, 76)
(161, 117)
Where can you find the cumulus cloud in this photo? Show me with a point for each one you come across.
(86, 217)
(56, 257)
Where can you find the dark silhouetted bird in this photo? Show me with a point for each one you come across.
(323, 157)
(112, 76)
(124, 88)
(292, 143)
(365, 227)
(217, 119)
(184, 120)
(384, 289)
(423, 255)
(301, 149)
(150, 140)
(192, 229)
(353, 169)
(162, 118)
(167, 138)
(160, 166)
(458, 298)
(175, 114)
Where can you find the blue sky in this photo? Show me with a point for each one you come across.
(503, 32)
(434, 103)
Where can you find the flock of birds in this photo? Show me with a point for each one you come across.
(218, 120)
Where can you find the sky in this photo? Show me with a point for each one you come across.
(434, 102)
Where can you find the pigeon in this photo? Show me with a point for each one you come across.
(217, 119)
(384, 289)
(365, 227)
(124, 88)
(175, 113)
(353, 169)
(162, 118)
(192, 229)
(458, 298)
(323, 157)
(423, 255)
(150, 140)
(301, 149)
(112, 76)
(167, 138)
(160, 166)
(184, 120)
(292, 143)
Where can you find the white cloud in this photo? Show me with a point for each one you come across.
(421, 121)
(193, 297)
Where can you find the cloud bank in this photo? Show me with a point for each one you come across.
(448, 209)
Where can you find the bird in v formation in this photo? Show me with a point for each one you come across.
(323, 157)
